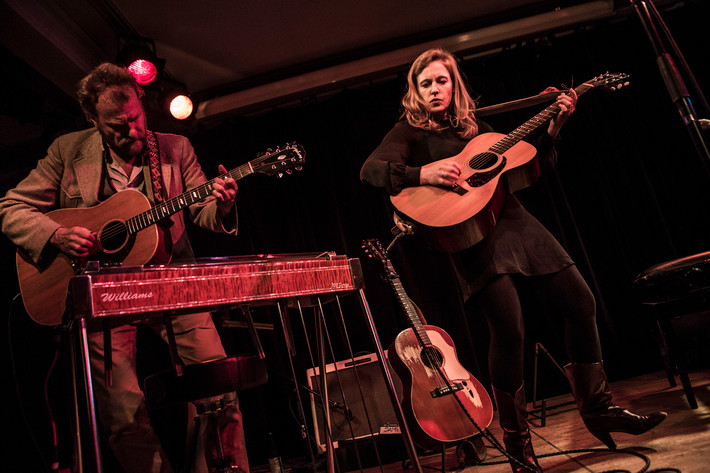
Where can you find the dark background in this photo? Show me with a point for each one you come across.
(630, 191)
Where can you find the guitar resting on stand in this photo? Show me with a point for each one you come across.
(443, 402)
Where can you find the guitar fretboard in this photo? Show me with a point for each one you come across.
(531, 125)
(409, 309)
(176, 204)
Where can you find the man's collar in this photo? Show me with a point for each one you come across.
(108, 157)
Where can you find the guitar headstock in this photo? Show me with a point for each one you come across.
(609, 80)
(374, 249)
(280, 161)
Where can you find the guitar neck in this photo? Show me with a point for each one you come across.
(533, 124)
(176, 204)
(410, 311)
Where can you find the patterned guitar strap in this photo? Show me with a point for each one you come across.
(153, 154)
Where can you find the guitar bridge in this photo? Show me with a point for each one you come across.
(444, 390)
(459, 190)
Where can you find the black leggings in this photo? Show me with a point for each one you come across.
(564, 294)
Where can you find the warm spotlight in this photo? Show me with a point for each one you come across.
(175, 100)
(181, 107)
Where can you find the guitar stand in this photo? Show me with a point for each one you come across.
(471, 451)
(543, 407)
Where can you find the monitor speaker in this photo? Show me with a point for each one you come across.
(359, 401)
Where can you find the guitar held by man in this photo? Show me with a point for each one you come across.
(126, 229)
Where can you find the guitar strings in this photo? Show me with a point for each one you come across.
(525, 129)
(142, 220)
(513, 138)
(432, 355)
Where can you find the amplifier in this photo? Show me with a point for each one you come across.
(354, 415)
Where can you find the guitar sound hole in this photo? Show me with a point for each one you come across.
(431, 357)
(113, 236)
(483, 160)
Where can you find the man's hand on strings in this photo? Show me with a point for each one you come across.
(225, 191)
(567, 101)
(74, 241)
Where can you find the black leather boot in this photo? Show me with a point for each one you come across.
(512, 414)
(599, 413)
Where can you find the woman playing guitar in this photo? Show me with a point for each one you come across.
(440, 147)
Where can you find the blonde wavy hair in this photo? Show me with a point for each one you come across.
(461, 109)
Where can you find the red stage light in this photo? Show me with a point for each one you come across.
(143, 70)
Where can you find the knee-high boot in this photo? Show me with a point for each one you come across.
(512, 414)
(599, 413)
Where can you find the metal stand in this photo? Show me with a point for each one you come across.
(396, 403)
(85, 402)
(661, 40)
(83, 391)
(322, 342)
(543, 407)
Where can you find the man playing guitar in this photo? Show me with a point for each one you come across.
(83, 169)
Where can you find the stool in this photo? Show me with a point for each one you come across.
(200, 384)
(671, 289)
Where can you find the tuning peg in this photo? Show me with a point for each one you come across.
(299, 168)
(280, 175)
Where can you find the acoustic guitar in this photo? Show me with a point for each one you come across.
(125, 225)
(443, 402)
(454, 218)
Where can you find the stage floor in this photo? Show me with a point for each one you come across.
(682, 441)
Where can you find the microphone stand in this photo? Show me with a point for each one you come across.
(655, 28)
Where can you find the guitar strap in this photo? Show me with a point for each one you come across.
(153, 154)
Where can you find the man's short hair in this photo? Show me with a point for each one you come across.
(98, 80)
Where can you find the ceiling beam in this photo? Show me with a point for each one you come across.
(67, 51)
(345, 74)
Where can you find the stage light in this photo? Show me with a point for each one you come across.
(143, 70)
(181, 107)
(175, 100)
(138, 56)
